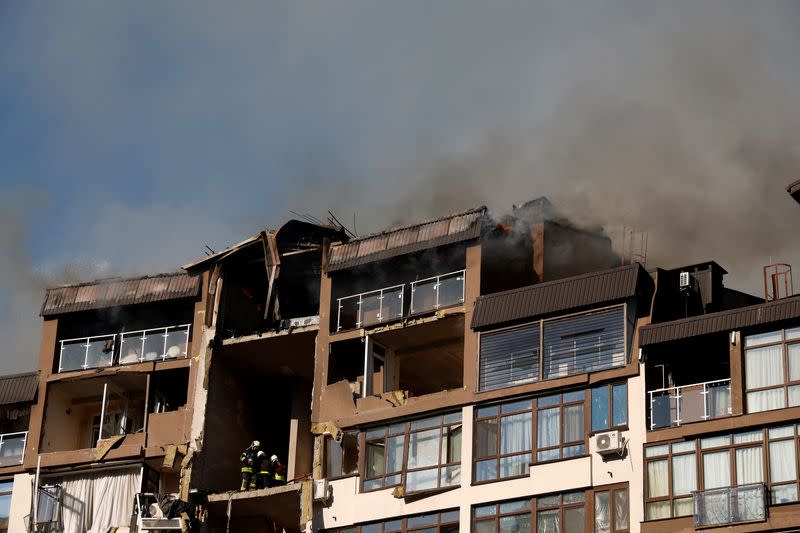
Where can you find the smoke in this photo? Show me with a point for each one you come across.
(158, 128)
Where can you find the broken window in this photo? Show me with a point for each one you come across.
(341, 458)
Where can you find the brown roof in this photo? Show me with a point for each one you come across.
(19, 388)
(407, 239)
(794, 190)
(729, 320)
(118, 291)
(561, 295)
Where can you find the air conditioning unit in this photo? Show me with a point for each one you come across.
(685, 280)
(322, 491)
(609, 442)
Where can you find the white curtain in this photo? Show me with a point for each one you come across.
(92, 503)
(515, 433)
(548, 427)
(657, 479)
(749, 465)
(763, 368)
(573, 423)
(602, 512)
(794, 361)
(716, 469)
(782, 466)
(684, 474)
(765, 400)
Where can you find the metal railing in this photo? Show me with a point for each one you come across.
(12, 448)
(730, 505)
(87, 352)
(436, 292)
(152, 344)
(674, 406)
(370, 308)
(99, 351)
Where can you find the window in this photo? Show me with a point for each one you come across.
(5, 504)
(423, 454)
(762, 456)
(557, 513)
(503, 440)
(611, 511)
(609, 406)
(553, 348)
(341, 458)
(441, 522)
(772, 370)
(560, 426)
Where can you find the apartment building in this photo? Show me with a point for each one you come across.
(115, 398)
(465, 372)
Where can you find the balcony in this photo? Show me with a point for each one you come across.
(388, 304)
(439, 291)
(675, 406)
(118, 349)
(12, 448)
(730, 505)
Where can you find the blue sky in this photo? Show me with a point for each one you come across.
(132, 134)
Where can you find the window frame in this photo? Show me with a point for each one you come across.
(541, 323)
(562, 406)
(342, 450)
(8, 494)
(611, 490)
(441, 522)
(445, 428)
(610, 414)
(786, 383)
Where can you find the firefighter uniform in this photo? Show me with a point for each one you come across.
(262, 470)
(278, 472)
(249, 460)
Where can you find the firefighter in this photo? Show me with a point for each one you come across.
(249, 459)
(278, 472)
(261, 467)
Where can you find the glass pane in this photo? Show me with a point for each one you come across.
(492, 410)
(600, 408)
(574, 451)
(347, 313)
(655, 451)
(548, 455)
(794, 395)
(516, 465)
(333, 458)
(748, 436)
(573, 497)
(692, 404)
(423, 296)
(749, 465)
(423, 448)
(423, 520)
(451, 289)
(448, 516)
(662, 409)
(574, 396)
(100, 352)
(548, 521)
(619, 404)
(483, 526)
(715, 442)
(12, 449)
(375, 433)
(782, 431)
(783, 493)
(719, 399)
(486, 437)
(452, 418)
(515, 433)
(793, 333)
(373, 484)
(547, 401)
(515, 506)
(602, 512)
(371, 528)
(484, 510)
(682, 507)
(763, 338)
(716, 469)
(793, 351)
(426, 423)
(573, 423)
(548, 501)
(574, 520)
(73, 354)
(153, 345)
(422, 480)
(486, 470)
(515, 407)
(549, 427)
(390, 481)
(397, 429)
(764, 366)
(130, 348)
(656, 510)
(765, 400)
(393, 525)
(782, 465)
(394, 453)
(375, 459)
(684, 474)
(451, 447)
(657, 479)
(176, 342)
(621, 511)
(684, 446)
(515, 524)
(450, 475)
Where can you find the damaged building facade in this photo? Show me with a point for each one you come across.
(496, 375)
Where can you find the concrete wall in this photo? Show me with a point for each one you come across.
(20, 503)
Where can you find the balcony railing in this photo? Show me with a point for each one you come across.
(130, 347)
(12, 448)
(439, 291)
(370, 308)
(153, 344)
(675, 406)
(730, 505)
